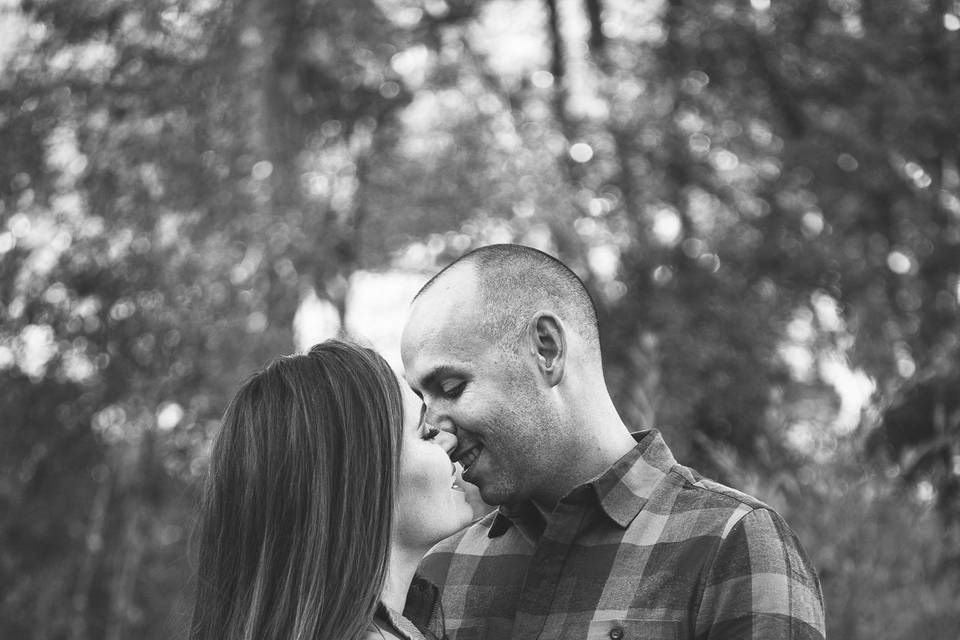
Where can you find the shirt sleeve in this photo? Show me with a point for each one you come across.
(761, 585)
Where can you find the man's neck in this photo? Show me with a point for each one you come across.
(595, 457)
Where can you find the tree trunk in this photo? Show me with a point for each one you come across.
(597, 40)
(96, 531)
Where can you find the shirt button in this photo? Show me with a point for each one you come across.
(616, 633)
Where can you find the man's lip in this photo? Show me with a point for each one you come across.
(458, 455)
(469, 468)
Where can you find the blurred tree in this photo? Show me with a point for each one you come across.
(177, 176)
(887, 565)
(763, 197)
(766, 203)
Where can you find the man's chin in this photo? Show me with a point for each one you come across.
(499, 497)
(474, 497)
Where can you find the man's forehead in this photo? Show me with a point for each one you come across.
(442, 334)
(433, 341)
(458, 281)
(431, 321)
(451, 301)
(431, 361)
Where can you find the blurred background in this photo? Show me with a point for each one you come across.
(763, 197)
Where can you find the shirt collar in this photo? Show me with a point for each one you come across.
(621, 491)
(422, 606)
(397, 623)
(525, 515)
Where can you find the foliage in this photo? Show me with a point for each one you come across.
(763, 197)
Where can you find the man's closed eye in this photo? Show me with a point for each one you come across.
(453, 390)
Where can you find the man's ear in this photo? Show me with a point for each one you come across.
(549, 340)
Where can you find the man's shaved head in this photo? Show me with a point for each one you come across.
(502, 346)
(515, 282)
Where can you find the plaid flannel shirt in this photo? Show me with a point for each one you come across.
(649, 549)
(398, 625)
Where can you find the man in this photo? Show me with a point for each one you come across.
(599, 533)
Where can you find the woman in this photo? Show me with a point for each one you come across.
(324, 492)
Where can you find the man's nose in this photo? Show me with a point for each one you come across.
(439, 420)
(447, 440)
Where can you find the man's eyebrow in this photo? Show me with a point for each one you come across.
(438, 373)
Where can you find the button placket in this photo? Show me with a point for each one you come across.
(545, 572)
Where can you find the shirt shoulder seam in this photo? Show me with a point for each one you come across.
(744, 499)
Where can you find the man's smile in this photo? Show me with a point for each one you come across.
(468, 457)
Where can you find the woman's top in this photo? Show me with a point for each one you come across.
(422, 618)
(389, 625)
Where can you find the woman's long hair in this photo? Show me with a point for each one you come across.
(297, 508)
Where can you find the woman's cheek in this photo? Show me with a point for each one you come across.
(418, 469)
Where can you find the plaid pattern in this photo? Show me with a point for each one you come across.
(649, 550)
(395, 623)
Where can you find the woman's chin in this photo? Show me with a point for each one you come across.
(463, 510)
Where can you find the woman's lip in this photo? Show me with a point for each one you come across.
(456, 471)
